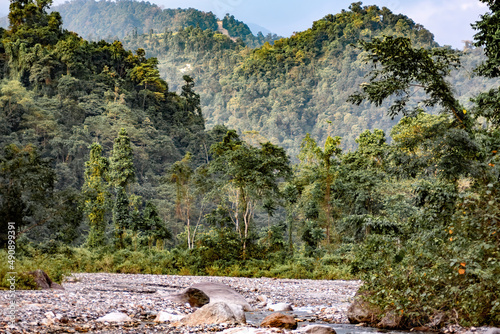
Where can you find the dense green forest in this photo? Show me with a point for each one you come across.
(105, 167)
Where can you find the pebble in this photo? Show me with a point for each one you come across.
(90, 296)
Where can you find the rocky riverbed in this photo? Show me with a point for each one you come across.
(88, 297)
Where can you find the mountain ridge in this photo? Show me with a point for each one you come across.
(296, 85)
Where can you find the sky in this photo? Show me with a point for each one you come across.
(448, 20)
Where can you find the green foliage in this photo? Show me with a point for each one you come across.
(488, 38)
(122, 171)
(444, 256)
(26, 189)
(403, 67)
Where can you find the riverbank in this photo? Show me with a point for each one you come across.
(88, 297)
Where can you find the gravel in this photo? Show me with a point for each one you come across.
(88, 297)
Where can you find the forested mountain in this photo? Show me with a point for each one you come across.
(113, 20)
(274, 92)
(298, 85)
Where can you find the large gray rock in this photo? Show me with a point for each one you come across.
(43, 281)
(215, 313)
(203, 293)
(195, 297)
(279, 320)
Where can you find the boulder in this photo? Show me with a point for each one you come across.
(316, 329)
(164, 317)
(280, 307)
(361, 311)
(215, 313)
(279, 320)
(202, 293)
(43, 281)
(115, 317)
(195, 297)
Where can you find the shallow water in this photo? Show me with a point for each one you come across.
(308, 318)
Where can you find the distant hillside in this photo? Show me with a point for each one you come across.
(110, 20)
(298, 85)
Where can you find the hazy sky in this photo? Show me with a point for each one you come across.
(448, 20)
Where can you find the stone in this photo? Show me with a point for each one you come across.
(195, 297)
(279, 320)
(390, 320)
(251, 330)
(262, 301)
(362, 311)
(215, 313)
(43, 281)
(316, 329)
(115, 317)
(280, 307)
(203, 293)
(50, 315)
(164, 316)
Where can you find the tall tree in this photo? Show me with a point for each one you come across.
(154, 227)
(320, 167)
(180, 174)
(122, 174)
(250, 174)
(488, 103)
(96, 195)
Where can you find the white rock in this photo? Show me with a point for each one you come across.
(315, 329)
(50, 315)
(251, 330)
(164, 316)
(280, 307)
(115, 317)
(47, 322)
